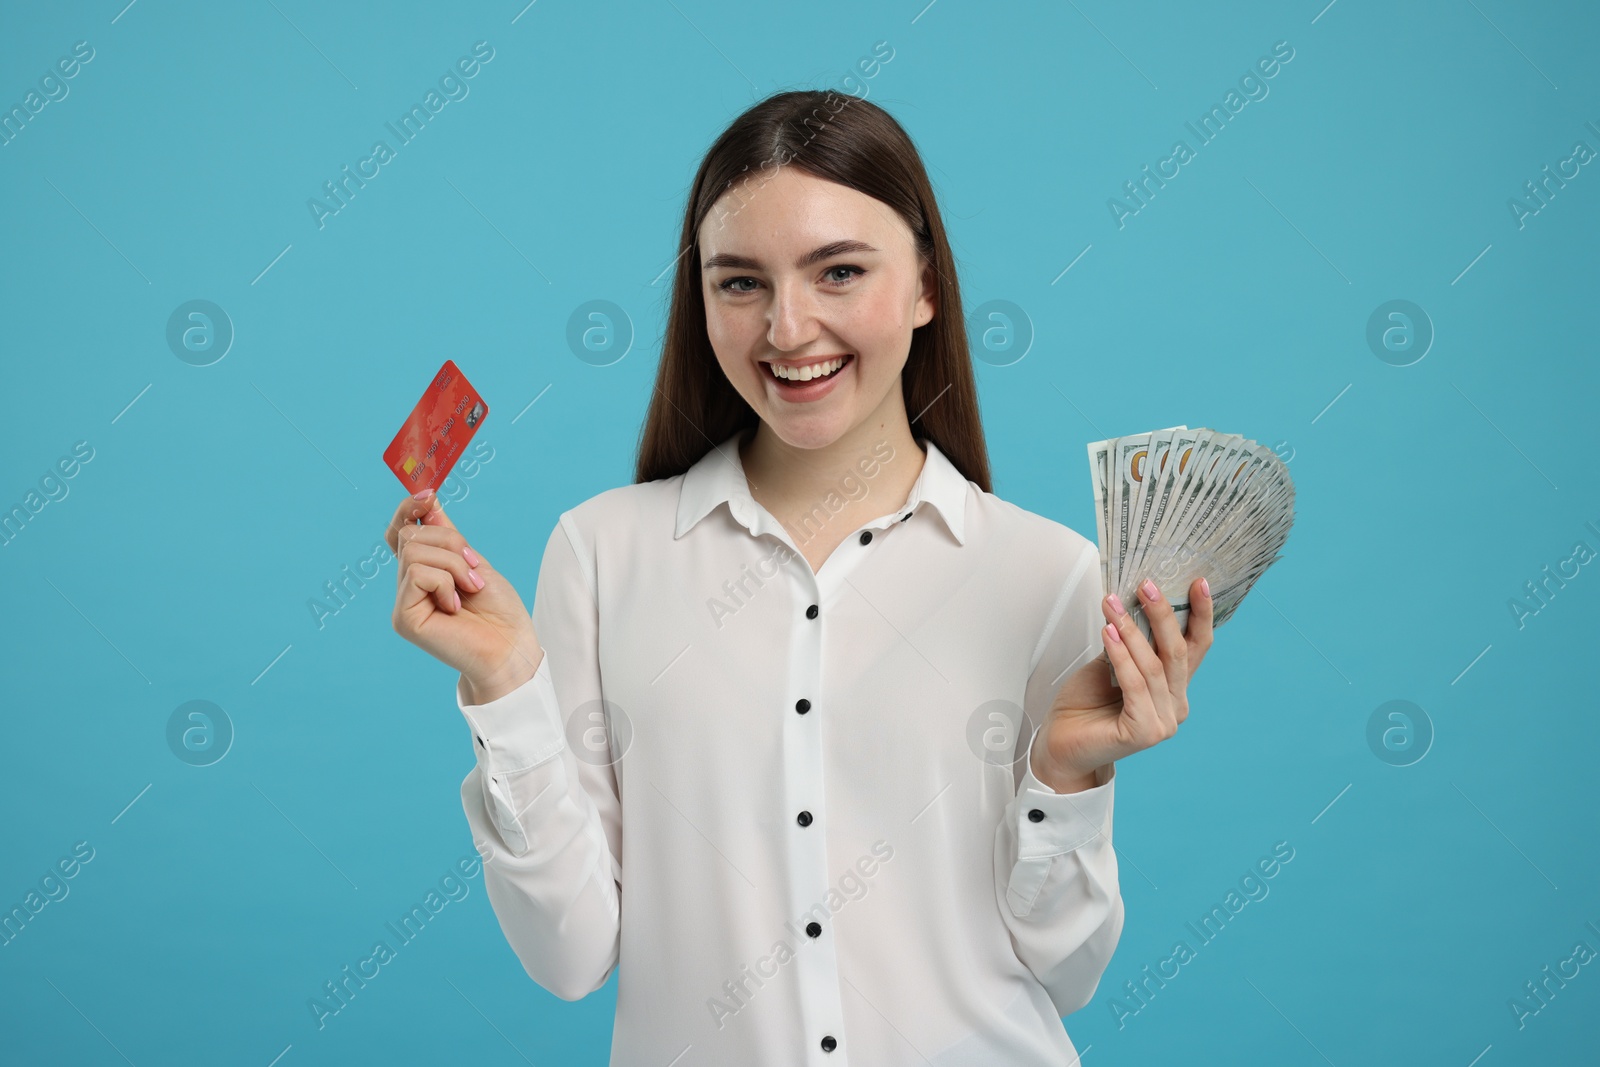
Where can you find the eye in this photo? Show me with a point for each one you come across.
(830, 275)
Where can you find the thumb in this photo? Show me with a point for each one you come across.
(430, 511)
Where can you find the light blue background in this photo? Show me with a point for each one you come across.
(1420, 899)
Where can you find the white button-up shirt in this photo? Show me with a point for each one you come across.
(794, 811)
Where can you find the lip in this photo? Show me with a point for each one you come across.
(812, 390)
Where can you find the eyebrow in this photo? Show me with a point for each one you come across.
(816, 255)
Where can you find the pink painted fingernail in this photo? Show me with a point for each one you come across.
(475, 579)
(1116, 604)
(471, 556)
(1150, 590)
(1112, 635)
(422, 495)
(1205, 587)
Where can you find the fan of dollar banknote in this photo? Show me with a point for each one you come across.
(1180, 504)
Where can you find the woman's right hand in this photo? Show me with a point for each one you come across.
(484, 632)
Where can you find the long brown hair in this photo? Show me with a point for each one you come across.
(842, 139)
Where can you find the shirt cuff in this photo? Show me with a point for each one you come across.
(519, 730)
(1051, 824)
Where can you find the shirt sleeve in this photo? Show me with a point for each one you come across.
(1055, 869)
(546, 819)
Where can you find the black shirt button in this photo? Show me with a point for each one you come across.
(828, 1043)
(802, 705)
(1035, 815)
(866, 537)
(811, 612)
(813, 929)
(906, 516)
(804, 818)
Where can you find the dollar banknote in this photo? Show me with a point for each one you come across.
(1175, 505)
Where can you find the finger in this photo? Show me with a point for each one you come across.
(433, 513)
(438, 536)
(421, 581)
(1201, 610)
(425, 507)
(1136, 703)
(1144, 657)
(467, 579)
(1125, 647)
(452, 541)
(1174, 650)
(404, 515)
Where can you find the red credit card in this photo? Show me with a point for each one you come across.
(437, 431)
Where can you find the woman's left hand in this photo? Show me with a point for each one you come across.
(1093, 723)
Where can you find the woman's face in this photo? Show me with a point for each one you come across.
(799, 272)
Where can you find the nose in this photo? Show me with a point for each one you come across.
(792, 317)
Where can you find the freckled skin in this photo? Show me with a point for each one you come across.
(863, 302)
(821, 309)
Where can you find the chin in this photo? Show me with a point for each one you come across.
(809, 431)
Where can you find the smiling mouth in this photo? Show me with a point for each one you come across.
(846, 360)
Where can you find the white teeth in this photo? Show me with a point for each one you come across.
(805, 374)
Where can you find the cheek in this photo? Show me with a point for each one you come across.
(721, 327)
(726, 322)
(892, 308)
(881, 325)
(731, 337)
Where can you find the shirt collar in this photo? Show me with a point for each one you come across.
(718, 477)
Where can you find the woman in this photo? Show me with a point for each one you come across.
(839, 712)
